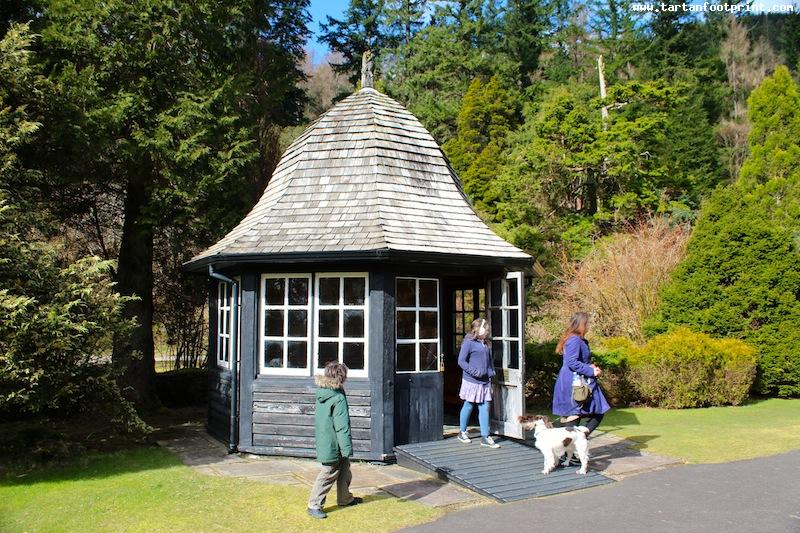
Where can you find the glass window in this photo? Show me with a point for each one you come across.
(285, 328)
(504, 317)
(417, 324)
(341, 331)
(224, 292)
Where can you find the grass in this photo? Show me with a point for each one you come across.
(149, 489)
(714, 434)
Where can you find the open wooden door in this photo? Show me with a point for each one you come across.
(506, 303)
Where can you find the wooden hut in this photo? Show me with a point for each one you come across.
(364, 249)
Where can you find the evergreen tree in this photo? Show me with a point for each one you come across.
(741, 275)
(488, 113)
(525, 24)
(362, 28)
(165, 110)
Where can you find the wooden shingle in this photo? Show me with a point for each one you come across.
(366, 176)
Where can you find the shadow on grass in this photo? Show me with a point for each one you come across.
(94, 466)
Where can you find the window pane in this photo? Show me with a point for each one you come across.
(497, 353)
(328, 351)
(273, 354)
(353, 355)
(428, 296)
(481, 300)
(458, 298)
(406, 295)
(298, 323)
(468, 303)
(298, 354)
(354, 291)
(274, 291)
(329, 291)
(513, 354)
(512, 292)
(496, 322)
(329, 323)
(427, 356)
(273, 326)
(353, 323)
(428, 325)
(513, 323)
(495, 292)
(298, 291)
(406, 321)
(406, 358)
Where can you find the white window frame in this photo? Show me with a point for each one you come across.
(285, 307)
(224, 314)
(504, 326)
(416, 340)
(340, 306)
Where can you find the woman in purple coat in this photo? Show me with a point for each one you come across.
(577, 362)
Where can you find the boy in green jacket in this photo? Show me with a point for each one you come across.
(333, 440)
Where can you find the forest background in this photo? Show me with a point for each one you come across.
(649, 162)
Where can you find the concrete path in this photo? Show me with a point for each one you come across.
(758, 495)
(610, 455)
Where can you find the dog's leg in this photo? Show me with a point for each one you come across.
(549, 462)
(582, 447)
(569, 456)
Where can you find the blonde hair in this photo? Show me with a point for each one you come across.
(476, 326)
(336, 372)
(578, 325)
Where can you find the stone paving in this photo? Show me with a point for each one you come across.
(610, 455)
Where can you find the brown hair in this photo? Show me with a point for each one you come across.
(336, 372)
(476, 325)
(578, 325)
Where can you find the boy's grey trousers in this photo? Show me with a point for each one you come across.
(331, 473)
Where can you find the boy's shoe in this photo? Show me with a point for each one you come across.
(317, 513)
(356, 501)
(463, 437)
(489, 442)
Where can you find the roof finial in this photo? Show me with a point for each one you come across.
(367, 75)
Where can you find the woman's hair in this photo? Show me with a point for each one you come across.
(336, 372)
(476, 326)
(577, 326)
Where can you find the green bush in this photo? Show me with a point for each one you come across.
(612, 355)
(179, 388)
(542, 364)
(683, 369)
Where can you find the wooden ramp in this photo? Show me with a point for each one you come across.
(512, 472)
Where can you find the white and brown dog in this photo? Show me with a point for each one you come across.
(554, 442)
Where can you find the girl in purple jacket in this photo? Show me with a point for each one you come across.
(475, 359)
(577, 362)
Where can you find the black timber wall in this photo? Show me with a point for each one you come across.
(277, 412)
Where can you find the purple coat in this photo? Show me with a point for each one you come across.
(577, 358)
(475, 359)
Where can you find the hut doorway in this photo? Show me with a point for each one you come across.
(502, 301)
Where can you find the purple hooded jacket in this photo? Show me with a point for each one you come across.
(577, 358)
(475, 359)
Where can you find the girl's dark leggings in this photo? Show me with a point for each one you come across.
(591, 424)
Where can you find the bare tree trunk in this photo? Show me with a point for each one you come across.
(135, 278)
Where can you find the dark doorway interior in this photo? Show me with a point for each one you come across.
(466, 302)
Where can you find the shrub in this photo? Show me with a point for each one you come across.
(683, 369)
(179, 388)
(541, 369)
(612, 355)
(620, 279)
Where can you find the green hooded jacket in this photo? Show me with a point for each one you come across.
(332, 422)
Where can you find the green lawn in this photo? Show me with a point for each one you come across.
(714, 434)
(149, 490)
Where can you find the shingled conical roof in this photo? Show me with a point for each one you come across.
(365, 177)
